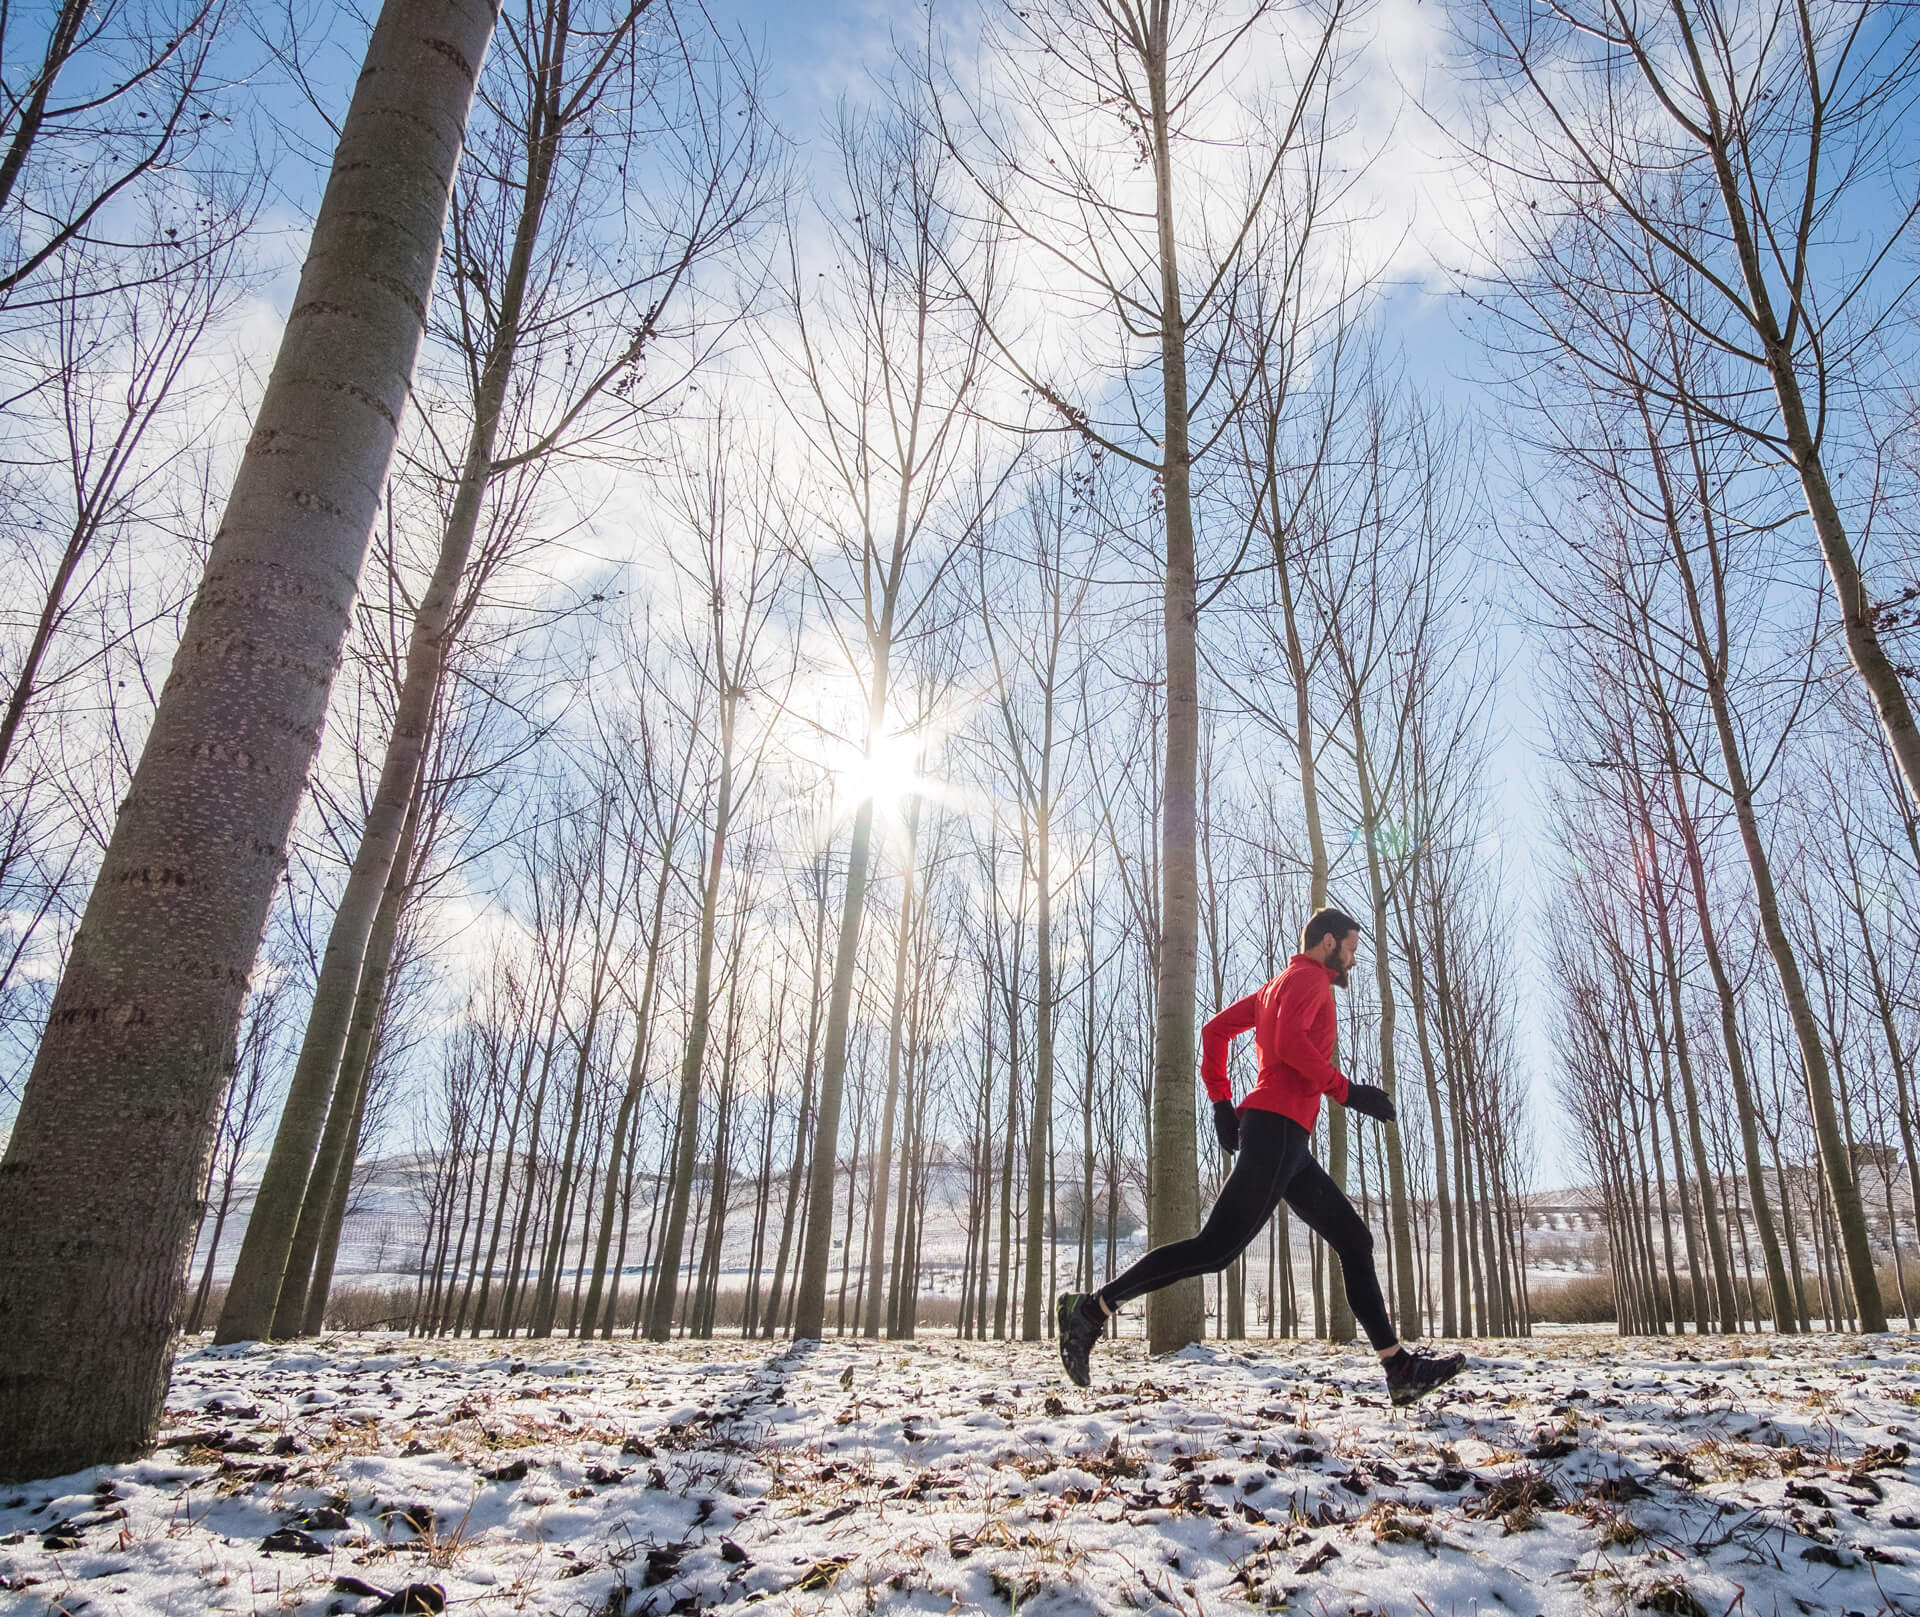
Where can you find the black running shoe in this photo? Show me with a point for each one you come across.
(1412, 1375)
(1080, 1327)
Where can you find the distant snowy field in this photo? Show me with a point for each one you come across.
(1575, 1473)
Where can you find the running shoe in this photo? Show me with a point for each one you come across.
(1081, 1324)
(1411, 1374)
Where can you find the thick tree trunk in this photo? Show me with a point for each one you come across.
(140, 1037)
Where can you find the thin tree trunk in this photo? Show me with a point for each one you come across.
(1417, 987)
(303, 1301)
(1703, 1171)
(1783, 1313)
(798, 1172)
(1399, 1217)
(546, 1298)
(1176, 1314)
(506, 1187)
(660, 1316)
(314, 1315)
(883, 1156)
(213, 1250)
(810, 1300)
(1841, 1185)
(1857, 619)
(486, 1189)
(265, 1250)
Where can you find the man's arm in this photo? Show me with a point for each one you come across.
(1299, 998)
(1220, 1032)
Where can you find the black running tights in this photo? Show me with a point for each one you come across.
(1275, 1164)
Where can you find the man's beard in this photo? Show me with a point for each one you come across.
(1338, 972)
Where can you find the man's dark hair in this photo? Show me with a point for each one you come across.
(1327, 924)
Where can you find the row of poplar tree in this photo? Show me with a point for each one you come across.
(1038, 589)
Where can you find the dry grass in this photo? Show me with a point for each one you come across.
(1587, 1300)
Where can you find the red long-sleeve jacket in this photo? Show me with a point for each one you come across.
(1293, 1022)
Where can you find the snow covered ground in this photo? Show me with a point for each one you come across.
(1576, 1473)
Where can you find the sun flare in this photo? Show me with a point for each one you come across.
(888, 773)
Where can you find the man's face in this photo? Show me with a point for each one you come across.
(1340, 957)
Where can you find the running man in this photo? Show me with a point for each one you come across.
(1271, 1135)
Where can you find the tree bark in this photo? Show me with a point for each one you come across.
(141, 1033)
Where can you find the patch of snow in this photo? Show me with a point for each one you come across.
(1576, 1473)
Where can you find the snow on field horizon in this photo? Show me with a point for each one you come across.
(1572, 1473)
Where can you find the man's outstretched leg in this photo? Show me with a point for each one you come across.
(1246, 1202)
(1324, 1208)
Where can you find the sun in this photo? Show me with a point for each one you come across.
(888, 773)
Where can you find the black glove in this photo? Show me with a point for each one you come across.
(1226, 1126)
(1370, 1100)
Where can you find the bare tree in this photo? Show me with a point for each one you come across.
(140, 1042)
(1085, 167)
(1718, 163)
(543, 300)
(736, 588)
(140, 72)
(240, 1119)
(889, 365)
